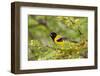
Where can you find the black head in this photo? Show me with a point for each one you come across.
(53, 35)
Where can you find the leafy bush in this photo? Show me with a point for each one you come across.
(41, 46)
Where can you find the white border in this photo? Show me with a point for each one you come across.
(25, 64)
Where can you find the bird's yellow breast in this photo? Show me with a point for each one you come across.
(60, 42)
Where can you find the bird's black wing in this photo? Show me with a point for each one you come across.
(65, 38)
(60, 40)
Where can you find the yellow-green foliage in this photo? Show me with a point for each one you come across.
(41, 46)
(71, 50)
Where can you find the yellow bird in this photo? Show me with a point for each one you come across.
(57, 39)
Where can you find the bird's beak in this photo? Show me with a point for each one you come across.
(50, 34)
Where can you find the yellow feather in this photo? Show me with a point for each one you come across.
(59, 43)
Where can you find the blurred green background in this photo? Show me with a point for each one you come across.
(41, 46)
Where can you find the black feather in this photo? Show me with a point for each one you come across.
(60, 40)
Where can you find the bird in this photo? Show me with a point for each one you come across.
(60, 40)
(57, 39)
